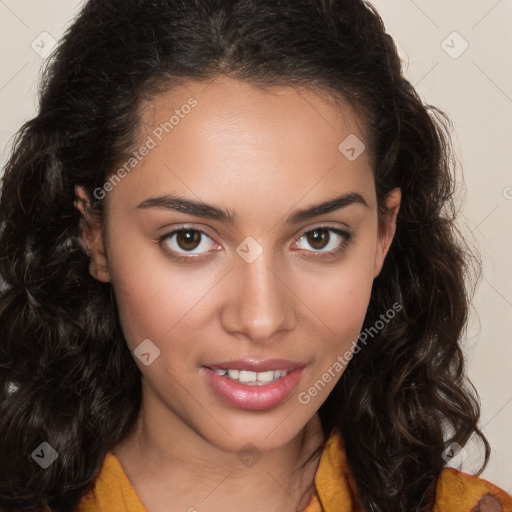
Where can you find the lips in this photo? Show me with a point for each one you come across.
(230, 381)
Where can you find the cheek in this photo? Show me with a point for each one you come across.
(342, 304)
(339, 296)
(154, 299)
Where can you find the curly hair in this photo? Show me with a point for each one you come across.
(66, 374)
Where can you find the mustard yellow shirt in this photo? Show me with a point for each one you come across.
(334, 484)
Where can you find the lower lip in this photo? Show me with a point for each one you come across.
(253, 398)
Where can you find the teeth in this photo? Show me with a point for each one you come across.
(253, 378)
(265, 376)
(233, 374)
(245, 376)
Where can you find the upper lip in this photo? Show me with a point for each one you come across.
(257, 366)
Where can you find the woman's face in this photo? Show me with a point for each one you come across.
(250, 279)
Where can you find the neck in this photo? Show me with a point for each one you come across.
(161, 467)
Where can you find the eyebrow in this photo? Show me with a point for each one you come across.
(208, 211)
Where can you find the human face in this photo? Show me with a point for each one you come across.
(259, 287)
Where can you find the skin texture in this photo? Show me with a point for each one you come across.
(261, 155)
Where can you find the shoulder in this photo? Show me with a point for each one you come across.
(112, 491)
(462, 492)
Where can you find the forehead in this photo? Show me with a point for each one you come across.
(229, 140)
(226, 107)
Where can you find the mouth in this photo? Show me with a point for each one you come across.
(252, 384)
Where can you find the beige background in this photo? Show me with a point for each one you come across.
(473, 87)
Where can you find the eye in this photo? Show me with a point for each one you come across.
(186, 244)
(188, 240)
(322, 240)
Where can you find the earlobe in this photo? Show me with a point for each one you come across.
(92, 237)
(387, 229)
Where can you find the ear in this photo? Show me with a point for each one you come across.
(92, 236)
(387, 228)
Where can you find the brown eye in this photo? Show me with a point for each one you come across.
(188, 239)
(326, 237)
(318, 238)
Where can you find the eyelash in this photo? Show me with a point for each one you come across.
(346, 235)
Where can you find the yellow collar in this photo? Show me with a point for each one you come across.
(113, 492)
(334, 485)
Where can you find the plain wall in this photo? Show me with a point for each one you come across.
(474, 88)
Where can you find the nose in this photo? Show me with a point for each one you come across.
(259, 301)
